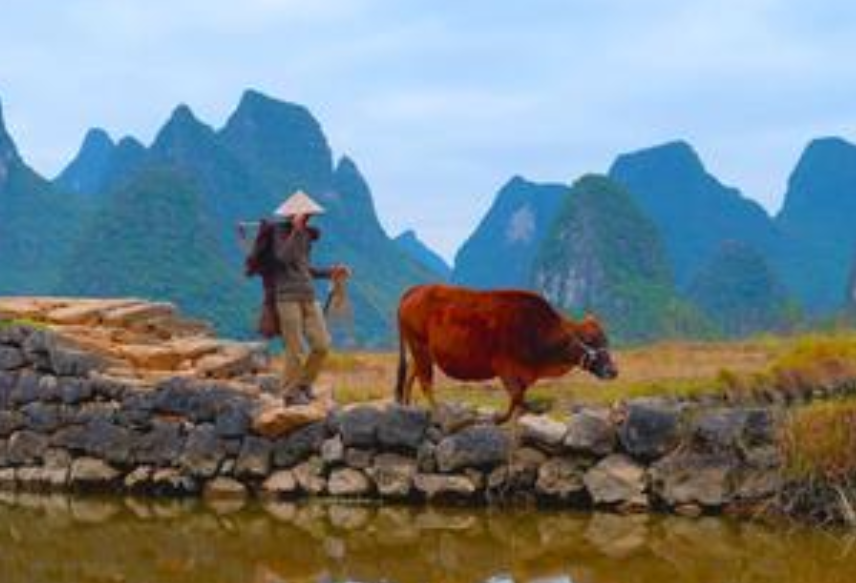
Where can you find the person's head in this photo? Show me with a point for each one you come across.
(298, 205)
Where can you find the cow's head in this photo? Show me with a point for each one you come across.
(588, 347)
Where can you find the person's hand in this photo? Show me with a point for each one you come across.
(341, 271)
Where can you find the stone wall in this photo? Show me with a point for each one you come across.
(76, 415)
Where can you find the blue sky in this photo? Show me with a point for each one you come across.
(441, 101)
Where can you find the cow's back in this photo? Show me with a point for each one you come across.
(472, 334)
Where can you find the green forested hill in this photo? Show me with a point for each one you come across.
(267, 149)
(501, 250)
(154, 238)
(739, 291)
(603, 254)
(37, 224)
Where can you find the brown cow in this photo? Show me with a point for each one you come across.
(512, 335)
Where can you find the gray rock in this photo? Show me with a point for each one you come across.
(650, 430)
(310, 476)
(73, 391)
(137, 409)
(299, 445)
(14, 334)
(31, 478)
(402, 428)
(87, 473)
(37, 347)
(442, 486)
(139, 480)
(66, 361)
(173, 482)
(26, 389)
(85, 413)
(515, 481)
(426, 458)
(482, 446)
(233, 418)
(760, 428)
(333, 451)
(693, 478)
(280, 484)
(8, 380)
(109, 442)
(10, 421)
(72, 438)
(254, 458)
(57, 458)
(203, 452)
(560, 478)
(359, 459)
(8, 478)
(109, 387)
(12, 358)
(393, 475)
(753, 484)
(541, 431)
(223, 488)
(41, 417)
(175, 396)
(26, 447)
(348, 482)
(49, 389)
(591, 432)
(160, 445)
(358, 425)
(452, 417)
(616, 479)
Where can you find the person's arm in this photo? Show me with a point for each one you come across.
(322, 272)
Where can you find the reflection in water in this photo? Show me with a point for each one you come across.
(75, 540)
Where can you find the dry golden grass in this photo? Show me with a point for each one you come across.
(819, 441)
(668, 368)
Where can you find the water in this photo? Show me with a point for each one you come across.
(55, 539)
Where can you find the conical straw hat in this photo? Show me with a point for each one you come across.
(299, 203)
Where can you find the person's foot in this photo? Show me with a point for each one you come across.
(301, 395)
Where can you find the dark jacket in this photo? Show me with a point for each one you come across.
(263, 261)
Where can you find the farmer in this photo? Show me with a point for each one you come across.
(281, 254)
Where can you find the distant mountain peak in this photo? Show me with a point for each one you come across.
(97, 138)
(182, 124)
(255, 104)
(410, 243)
(8, 150)
(280, 142)
(86, 171)
(676, 157)
(513, 228)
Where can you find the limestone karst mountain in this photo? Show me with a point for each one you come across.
(603, 254)
(410, 243)
(818, 218)
(694, 211)
(501, 251)
(37, 223)
(739, 291)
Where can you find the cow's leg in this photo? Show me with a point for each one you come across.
(516, 390)
(408, 385)
(423, 369)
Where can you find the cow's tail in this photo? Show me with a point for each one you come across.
(401, 378)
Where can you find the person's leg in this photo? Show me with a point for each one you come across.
(318, 339)
(291, 324)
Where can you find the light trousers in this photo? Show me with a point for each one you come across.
(302, 321)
